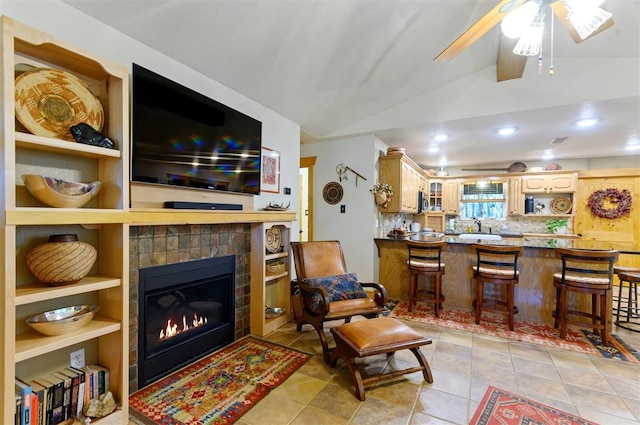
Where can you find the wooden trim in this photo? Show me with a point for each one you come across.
(308, 161)
(610, 172)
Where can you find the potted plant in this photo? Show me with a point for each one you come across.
(558, 225)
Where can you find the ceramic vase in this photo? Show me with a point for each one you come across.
(62, 260)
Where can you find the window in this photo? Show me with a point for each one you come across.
(483, 199)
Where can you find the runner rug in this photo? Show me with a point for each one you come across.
(537, 333)
(500, 407)
(218, 389)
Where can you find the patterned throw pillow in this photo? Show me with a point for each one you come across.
(340, 287)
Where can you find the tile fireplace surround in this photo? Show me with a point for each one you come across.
(158, 245)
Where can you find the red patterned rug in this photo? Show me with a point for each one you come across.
(495, 325)
(500, 407)
(218, 389)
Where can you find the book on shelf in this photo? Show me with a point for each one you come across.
(77, 394)
(75, 388)
(55, 398)
(85, 378)
(34, 408)
(66, 395)
(24, 391)
(41, 392)
(99, 380)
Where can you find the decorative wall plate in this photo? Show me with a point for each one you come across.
(273, 239)
(560, 206)
(49, 101)
(332, 193)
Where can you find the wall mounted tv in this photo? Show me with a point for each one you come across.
(183, 138)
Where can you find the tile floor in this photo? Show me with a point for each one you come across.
(463, 364)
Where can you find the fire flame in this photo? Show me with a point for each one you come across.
(172, 328)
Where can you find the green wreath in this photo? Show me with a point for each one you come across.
(622, 199)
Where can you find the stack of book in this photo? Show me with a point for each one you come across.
(55, 397)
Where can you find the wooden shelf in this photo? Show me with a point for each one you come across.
(37, 292)
(31, 141)
(275, 277)
(25, 216)
(33, 344)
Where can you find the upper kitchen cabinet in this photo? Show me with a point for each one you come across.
(406, 178)
(549, 183)
(451, 197)
(515, 200)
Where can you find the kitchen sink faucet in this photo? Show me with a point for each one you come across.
(477, 222)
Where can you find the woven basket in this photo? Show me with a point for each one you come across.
(63, 260)
(276, 267)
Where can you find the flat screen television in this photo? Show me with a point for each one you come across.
(183, 138)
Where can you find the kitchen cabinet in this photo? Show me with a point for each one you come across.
(406, 178)
(515, 201)
(435, 196)
(549, 183)
(451, 197)
(270, 276)
(28, 223)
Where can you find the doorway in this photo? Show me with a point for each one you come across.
(305, 208)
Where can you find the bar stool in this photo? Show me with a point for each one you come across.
(425, 259)
(631, 320)
(617, 269)
(498, 265)
(587, 272)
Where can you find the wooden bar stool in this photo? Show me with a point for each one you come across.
(617, 269)
(498, 265)
(584, 272)
(425, 259)
(629, 304)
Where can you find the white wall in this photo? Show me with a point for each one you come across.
(70, 25)
(355, 229)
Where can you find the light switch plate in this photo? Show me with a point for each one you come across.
(77, 359)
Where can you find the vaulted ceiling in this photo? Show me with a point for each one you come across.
(342, 68)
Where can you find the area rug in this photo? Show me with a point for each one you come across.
(537, 333)
(500, 407)
(218, 389)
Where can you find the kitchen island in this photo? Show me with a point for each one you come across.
(535, 294)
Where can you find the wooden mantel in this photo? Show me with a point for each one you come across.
(141, 217)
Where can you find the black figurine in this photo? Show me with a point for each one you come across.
(84, 133)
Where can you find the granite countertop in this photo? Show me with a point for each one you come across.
(540, 241)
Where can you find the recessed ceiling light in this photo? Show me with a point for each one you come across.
(506, 131)
(547, 155)
(587, 122)
(633, 147)
(433, 149)
(441, 137)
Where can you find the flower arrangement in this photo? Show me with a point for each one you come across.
(555, 224)
(621, 198)
(382, 193)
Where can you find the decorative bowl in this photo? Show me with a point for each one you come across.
(62, 260)
(273, 312)
(63, 320)
(59, 193)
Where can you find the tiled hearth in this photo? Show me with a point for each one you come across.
(159, 245)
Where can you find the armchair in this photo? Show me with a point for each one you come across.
(327, 291)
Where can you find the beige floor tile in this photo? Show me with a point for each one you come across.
(599, 401)
(419, 418)
(529, 351)
(534, 368)
(452, 383)
(456, 337)
(374, 411)
(443, 405)
(586, 378)
(447, 362)
(453, 349)
(571, 359)
(279, 411)
(491, 343)
(337, 400)
(311, 415)
(300, 387)
(539, 387)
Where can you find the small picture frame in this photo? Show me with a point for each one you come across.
(270, 171)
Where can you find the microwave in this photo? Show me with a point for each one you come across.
(423, 202)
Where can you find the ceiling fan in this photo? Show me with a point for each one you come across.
(571, 13)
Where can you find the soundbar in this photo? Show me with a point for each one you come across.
(182, 205)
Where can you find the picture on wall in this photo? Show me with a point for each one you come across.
(270, 179)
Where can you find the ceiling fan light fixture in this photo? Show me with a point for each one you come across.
(530, 42)
(587, 20)
(516, 22)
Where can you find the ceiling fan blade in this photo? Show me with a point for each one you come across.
(562, 14)
(509, 65)
(480, 28)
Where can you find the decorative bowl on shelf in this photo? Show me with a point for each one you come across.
(62, 260)
(63, 320)
(60, 193)
(273, 312)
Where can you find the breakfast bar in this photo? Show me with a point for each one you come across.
(534, 296)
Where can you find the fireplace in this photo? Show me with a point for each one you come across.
(186, 310)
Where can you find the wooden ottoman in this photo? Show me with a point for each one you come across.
(381, 335)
